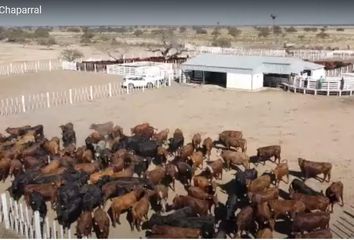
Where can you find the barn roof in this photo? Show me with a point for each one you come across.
(265, 64)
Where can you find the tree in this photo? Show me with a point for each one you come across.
(87, 36)
(71, 54)
(233, 31)
(73, 29)
(170, 47)
(46, 41)
(200, 30)
(322, 35)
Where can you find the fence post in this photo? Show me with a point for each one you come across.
(23, 103)
(54, 230)
(50, 65)
(95, 66)
(22, 68)
(11, 68)
(71, 96)
(69, 233)
(37, 225)
(25, 65)
(127, 89)
(48, 100)
(91, 92)
(143, 88)
(110, 89)
(47, 227)
(35, 66)
(5, 211)
(61, 232)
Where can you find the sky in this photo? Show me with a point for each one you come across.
(181, 12)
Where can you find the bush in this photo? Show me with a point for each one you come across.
(182, 29)
(71, 54)
(290, 30)
(233, 31)
(322, 35)
(221, 42)
(86, 37)
(73, 29)
(138, 33)
(41, 33)
(277, 30)
(16, 35)
(312, 29)
(340, 29)
(46, 41)
(216, 32)
(263, 32)
(200, 30)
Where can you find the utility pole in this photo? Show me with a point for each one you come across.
(273, 25)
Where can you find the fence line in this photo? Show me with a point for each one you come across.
(30, 66)
(30, 103)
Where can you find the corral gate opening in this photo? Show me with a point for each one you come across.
(274, 80)
(204, 77)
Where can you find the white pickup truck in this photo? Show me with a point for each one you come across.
(131, 81)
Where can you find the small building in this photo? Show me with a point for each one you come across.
(247, 72)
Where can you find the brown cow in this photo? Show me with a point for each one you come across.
(200, 206)
(312, 169)
(196, 140)
(95, 137)
(244, 219)
(172, 172)
(317, 234)
(280, 171)
(126, 172)
(16, 167)
(264, 196)
(229, 133)
(139, 128)
(264, 215)
(140, 211)
(208, 146)
(17, 131)
(84, 155)
(88, 168)
(178, 134)
(170, 232)
(103, 128)
(162, 136)
(310, 221)
(84, 225)
(199, 193)
(52, 167)
(156, 175)
(161, 155)
(161, 196)
(52, 146)
(197, 159)
(236, 143)
(204, 183)
(286, 207)
(259, 184)
(122, 203)
(47, 190)
(5, 164)
(216, 168)
(266, 153)
(265, 233)
(335, 193)
(235, 158)
(312, 202)
(186, 151)
(101, 223)
(95, 177)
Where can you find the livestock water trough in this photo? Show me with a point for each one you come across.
(331, 86)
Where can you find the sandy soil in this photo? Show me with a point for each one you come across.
(313, 127)
(30, 83)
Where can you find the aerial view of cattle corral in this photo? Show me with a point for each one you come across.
(296, 127)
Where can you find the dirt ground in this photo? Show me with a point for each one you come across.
(317, 128)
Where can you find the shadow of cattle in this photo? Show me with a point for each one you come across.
(283, 226)
(296, 174)
(284, 195)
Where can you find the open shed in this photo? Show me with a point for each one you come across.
(246, 72)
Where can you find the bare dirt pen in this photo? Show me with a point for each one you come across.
(317, 128)
(30, 83)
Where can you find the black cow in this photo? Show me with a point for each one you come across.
(37, 203)
(175, 144)
(185, 172)
(147, 148)
(231, 206)
(69, 213)
(16, 189)
(300, 187)
(91, 197)
(157, 219)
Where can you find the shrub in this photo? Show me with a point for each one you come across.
(182, 29)
(340, 29)
(290, 30)
(71, 54)
(46, 41)
(322, 35)
(16, 35)
(310, 29)
(277, 30)
(263, 32)
(221, 42)
(138, 33)
(73, 29)
(233, 31)
(200, 30)
(41, 33)
(86, 37)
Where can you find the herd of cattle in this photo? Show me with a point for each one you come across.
(135, 173)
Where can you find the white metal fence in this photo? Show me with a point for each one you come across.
(30, 66)
(29, 103)
(19, 218)
(338, 72)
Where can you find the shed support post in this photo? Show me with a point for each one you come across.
(203, 73)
